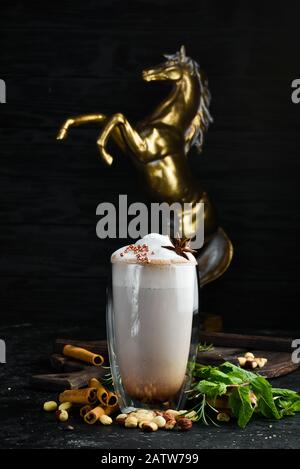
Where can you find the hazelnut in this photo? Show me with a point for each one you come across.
(149, 427)
(223, 417)
(249, 356)
(121, 418)
(170, 424)
(61, 415)
(184, 423)
(242, 361)
(261, 362)
(160, 421)
(131, 422)
(254, 364)
(170, 414)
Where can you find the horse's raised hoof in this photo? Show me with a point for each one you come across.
(61, 134)
(108, 160)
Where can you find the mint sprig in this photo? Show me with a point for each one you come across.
(241, 392)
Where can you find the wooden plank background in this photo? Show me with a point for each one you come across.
(65, 58)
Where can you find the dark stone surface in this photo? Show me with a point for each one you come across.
(25, 425)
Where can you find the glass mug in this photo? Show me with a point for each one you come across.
(153, 330)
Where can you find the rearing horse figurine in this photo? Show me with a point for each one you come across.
(158, 148)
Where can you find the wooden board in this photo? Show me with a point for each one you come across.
(71, 373)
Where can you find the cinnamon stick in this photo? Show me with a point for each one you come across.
(83, 355)
(93, 415)
(79, 396)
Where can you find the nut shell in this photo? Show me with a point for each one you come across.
(150, 427)
(121, 419)
(184, 423)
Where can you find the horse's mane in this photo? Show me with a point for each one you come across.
(203, 118)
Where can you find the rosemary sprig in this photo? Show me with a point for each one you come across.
(204, 347)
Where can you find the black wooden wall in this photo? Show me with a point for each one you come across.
(64, 58)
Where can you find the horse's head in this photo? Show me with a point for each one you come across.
(171, 70)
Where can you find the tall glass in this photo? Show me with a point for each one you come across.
(152, 327)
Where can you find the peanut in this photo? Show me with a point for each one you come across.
(105, 420)
(50, 406)
(65, 406)
(62, 415)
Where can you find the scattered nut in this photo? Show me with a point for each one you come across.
(131, 422)
(253, 398)
(105, 420)
(62, 415)
(145, 411)
(150, 427)
(65, 406)
(170, 414)
(261, 362)
(50, 406)
(223, 417)
(142, 422)
(250, 361)
(184, 423)
(170, 424)
(242, 361)
(141, 416)
(121, 418)
(159, 421)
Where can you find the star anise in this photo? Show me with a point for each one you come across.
(180, 246)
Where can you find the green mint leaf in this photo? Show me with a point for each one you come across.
(286, 393)
(211, 390)
(236, 372)
(219, 376)
(265, 402)
(240, 405)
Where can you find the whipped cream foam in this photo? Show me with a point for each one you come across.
(151, 247)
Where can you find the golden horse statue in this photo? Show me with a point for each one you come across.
(158, 147)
